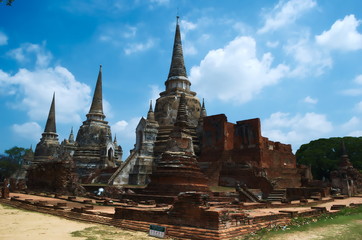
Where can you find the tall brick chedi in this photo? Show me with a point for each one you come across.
(177, 83)
(48, 145)
(177, 170)
(153, 133)
(95, 148)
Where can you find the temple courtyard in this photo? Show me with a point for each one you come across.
(74, 214)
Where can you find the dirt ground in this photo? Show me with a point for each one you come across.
(19, 225)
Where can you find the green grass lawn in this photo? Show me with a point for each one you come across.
(345, 225)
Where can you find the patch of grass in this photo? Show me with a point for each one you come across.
(347, 221)
(6, 206)
(18, 209)
(77, 233)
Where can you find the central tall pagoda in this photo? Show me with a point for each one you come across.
(153, 133)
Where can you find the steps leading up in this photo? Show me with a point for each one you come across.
(277, 195)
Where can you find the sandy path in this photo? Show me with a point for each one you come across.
(18, 224)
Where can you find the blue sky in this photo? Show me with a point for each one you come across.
(294, 64)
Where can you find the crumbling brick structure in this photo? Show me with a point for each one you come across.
(238, 152)
(56, 175)
(346, 178)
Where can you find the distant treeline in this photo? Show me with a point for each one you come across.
(324, 154)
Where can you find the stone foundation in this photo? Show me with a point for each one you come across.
(190, 217)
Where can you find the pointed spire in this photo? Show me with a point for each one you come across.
(97, 102)
(50, 125)
(177, 69)
(203, 110)
(151, 109)
(71, 136)
(50, 131)
(181, 119)
(150, 114)
(115, 139)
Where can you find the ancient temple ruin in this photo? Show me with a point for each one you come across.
(238, 152)
(178, 170)
(95, 147)
(48, 145)
(227, 153)
(91, 152)
(153, 133)
(346, 179)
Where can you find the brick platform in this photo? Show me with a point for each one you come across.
(221, 223)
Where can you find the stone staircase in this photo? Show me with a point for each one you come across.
(277, 195)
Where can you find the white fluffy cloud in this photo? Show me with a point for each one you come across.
(32, 89)
(358, 107)
(238, 70)
(29, 52)
(310, 100)
(309, 58)
(187, 25)
(296, 130)
(188, 46)
(351, 127)
(358, 79)
(120, 126)
(355, 91)
(29, 130)
(126, 133)
(343, 35)
(116, 34)
(356, 133)
(285, 13)
(126, 129)
(3, 39)
(139, 47)
(351, 124)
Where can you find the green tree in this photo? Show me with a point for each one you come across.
(324, 154)
(11, 161)
(16, 154)
(8, 2)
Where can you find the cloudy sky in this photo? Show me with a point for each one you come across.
(297, 65)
